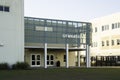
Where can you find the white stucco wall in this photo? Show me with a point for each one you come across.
(111, 34)
(12, 32)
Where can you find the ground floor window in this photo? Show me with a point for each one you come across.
(64, 58)
(35, 60)
(50, 59)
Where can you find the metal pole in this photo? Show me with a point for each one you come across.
(87, 56)
(45, 55)
(67, 55)
(78, 53)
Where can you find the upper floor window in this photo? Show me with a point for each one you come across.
(112, 26)
(107, 43)
(64, 58)
(4, 8)
(102, 28)
(116, 25)
(1, 8)
(105, 27)
(95, 29)
(118, 41)
(102, 43)
(112, 42)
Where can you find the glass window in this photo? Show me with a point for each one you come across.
(70, 24)
(6, 9)
(74, 24)
(38, 57)
(102, 43)
(51, 62)
(64, 59)
(1, 8)
(107, 43)
(47, 57)
(118, 41)
(42, 22)
(33, 57)
(49, 22)
(35, 61)
(95, 29)
(112, 26)
(79, 24)
(54, 23)
(52, 57)
(38, 62)
(118, 25)
(118, 58)
(112, 42)
(64, 23)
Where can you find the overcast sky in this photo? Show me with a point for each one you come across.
(78, 10)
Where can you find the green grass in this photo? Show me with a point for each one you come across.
(62, 74)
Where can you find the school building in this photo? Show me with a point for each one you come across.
(41, 42)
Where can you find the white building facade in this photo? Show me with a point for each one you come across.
(106, 36)
(11, 31)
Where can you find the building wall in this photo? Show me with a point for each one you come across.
(106, 32)
(58, 56)
(12, 32)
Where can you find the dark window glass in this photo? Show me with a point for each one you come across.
(38, 57)
(33, 62)
(118, 58)
(118, 41)
(47, 57)
(64, 58)
(107, 43)
(112, 42)
(95, 29)
(6, 9)
(112, 26)
(38, 62)
(1, 8)
(52, 57)
(102, 28)
(51, 62)
(33, 57)
(47, 62)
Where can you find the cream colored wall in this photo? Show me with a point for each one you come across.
(111, 34)
(58, 56)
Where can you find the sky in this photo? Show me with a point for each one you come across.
(77, 10)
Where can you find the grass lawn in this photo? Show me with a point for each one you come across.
(62, 74)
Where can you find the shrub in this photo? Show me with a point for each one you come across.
(4, 66)
(20, 65)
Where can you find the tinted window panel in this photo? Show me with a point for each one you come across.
(1, 8)
(6, 9)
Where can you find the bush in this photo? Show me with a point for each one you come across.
(20, 65)
(4, 66)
